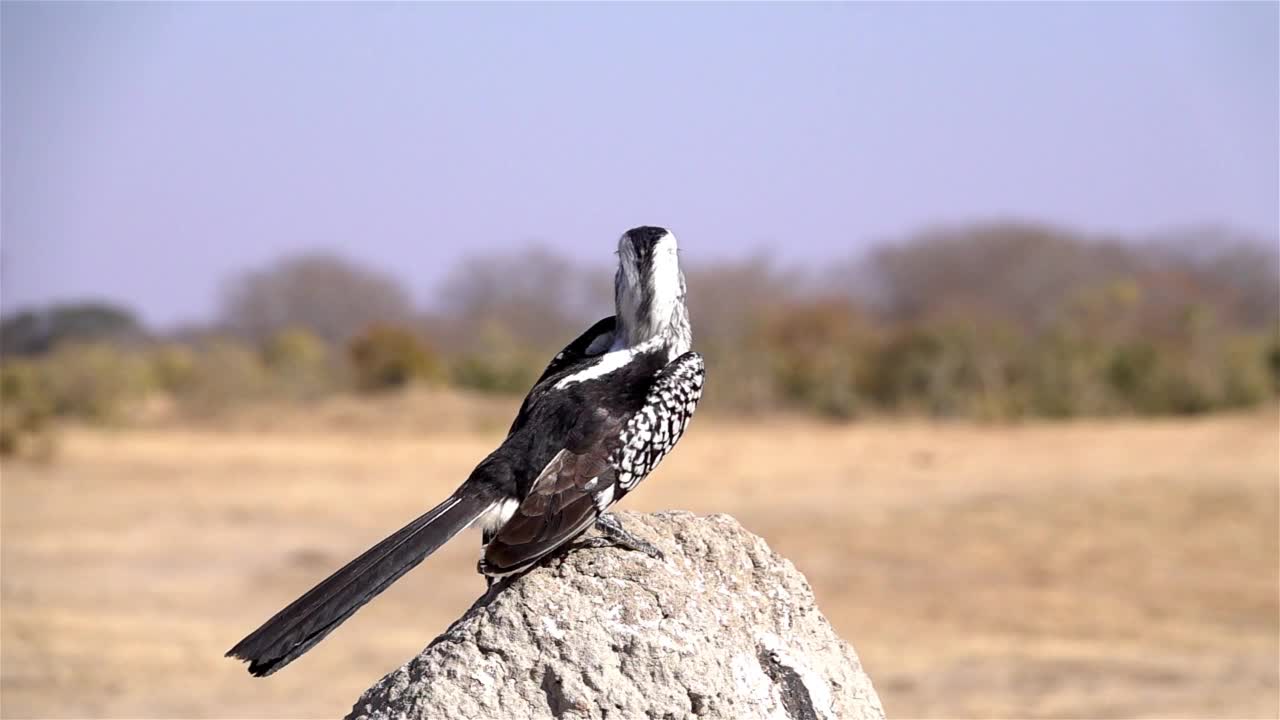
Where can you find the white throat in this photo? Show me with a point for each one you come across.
(651, 301)
(650, 310)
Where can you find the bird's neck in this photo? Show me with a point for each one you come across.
(656, 324)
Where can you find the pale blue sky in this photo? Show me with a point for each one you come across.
(150, 150)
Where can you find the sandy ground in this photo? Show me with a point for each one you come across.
(1094, 569)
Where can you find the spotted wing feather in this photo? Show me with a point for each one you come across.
(658, 426)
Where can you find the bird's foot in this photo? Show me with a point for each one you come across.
(614, 535)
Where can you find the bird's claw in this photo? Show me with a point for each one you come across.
(614, 535)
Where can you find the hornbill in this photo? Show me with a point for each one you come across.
(602, 415)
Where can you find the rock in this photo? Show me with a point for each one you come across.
(723, 628)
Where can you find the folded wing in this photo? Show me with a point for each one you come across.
(563, 502)
(606, 456)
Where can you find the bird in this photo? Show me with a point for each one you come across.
(601, 416)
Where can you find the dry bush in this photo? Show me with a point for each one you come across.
(992, 321)
(97, 382)
(174, 367)
(31, 332)
(26, 412)
(818, 354)
(331, 296)
(300, 364)
(226, 373)
(533, 299)
(385, 357)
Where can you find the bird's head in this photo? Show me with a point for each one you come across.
(649, 290)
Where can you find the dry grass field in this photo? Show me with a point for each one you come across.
(1090, 569)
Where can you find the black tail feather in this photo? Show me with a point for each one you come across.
(307, 620)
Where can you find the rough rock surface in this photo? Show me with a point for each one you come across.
(723, 628)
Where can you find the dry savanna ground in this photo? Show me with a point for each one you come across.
(1090, 569)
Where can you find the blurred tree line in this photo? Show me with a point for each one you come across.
(998, 321)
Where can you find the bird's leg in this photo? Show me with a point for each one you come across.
(486, 537)
(614, 535)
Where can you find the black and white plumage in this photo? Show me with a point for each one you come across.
(600, 418)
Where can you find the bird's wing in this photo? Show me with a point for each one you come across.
(583, 478)
(594, 341)
(660, 423)
(563, 501)
(588, 344)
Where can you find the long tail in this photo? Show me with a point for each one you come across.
(295, 629)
